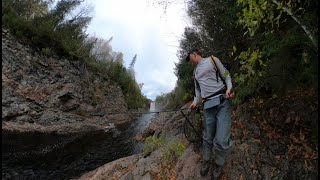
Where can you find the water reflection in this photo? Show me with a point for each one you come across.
(52, 156)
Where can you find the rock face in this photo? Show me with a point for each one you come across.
(154, 165)
(268, 143)
(54, 94)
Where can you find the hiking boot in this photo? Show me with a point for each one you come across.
(204, 167)
(216, 172)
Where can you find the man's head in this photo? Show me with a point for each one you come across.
(193, 56)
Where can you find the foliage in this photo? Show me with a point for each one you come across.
(256, 13)
(172, 151)
(96, 94)
(198, 119)
(47, 51)
(151, 143)
(51, 29)
(61, 31)
(101, 49)
(131, 66)
(184, 71)
(117, 73)
(26, 9)
(282, 64)
(214, 28)
(174, 99)
(214, 31)
(270, 44)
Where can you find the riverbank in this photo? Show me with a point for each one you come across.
(87, 124)
(48, 154)
(273, 138)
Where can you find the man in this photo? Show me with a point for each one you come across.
(216, 93)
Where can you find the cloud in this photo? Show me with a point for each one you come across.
(140, 29)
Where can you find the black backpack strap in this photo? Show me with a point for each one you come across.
(218, 73)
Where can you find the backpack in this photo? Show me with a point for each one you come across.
(225, 64)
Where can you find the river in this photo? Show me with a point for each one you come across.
(52, 156)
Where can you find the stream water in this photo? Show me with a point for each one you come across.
(52, 156)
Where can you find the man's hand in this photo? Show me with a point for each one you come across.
(230, 94)
(193, 105)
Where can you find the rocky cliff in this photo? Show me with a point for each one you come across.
(272, 139)
(54, 94)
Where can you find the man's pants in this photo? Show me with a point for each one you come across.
(217, 132)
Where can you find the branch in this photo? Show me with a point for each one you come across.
(289, 12)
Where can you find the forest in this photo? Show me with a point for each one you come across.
(271, 46)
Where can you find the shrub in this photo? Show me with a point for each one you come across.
(151, 143)
(173, 150)
(47, 51)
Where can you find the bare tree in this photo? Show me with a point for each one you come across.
(102, 50)
(131, 66)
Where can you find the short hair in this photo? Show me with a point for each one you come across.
(192, 51)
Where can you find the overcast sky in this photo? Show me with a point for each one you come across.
(138, 27)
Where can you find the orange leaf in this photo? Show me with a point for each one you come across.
(261, 101)
(306, 166)
(314, 155)
(297, 120)
(307, 148)
(270, 135)
(302, 136)
(288, 120)
(295, 140)
(241, 177)
(223, 177)
(256, 140)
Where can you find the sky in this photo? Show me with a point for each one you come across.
(139, 27)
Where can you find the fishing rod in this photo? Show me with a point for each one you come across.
(193, 128)
(150, 112)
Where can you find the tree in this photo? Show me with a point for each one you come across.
(101, 51)
(270, 43)
(61, 11)
(27, 9)
(119, 58)
(131, 66)
(256, 13)
(214, 32)
(280, 39)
